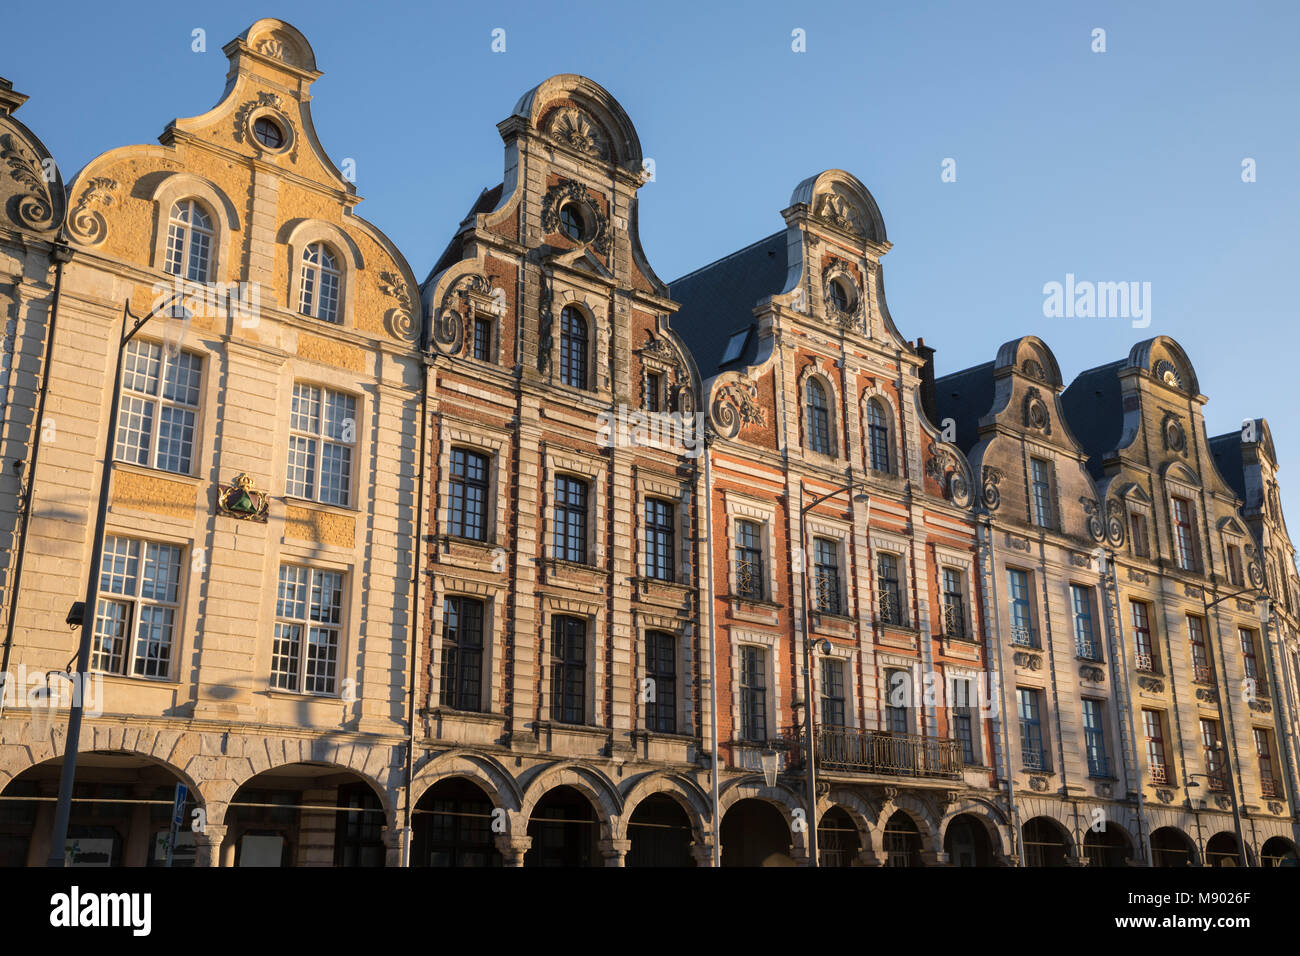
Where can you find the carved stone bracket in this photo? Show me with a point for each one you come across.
(465, 295)
(991, 477)
(1090, 673)
(400, 320)
(1093, 511)
(1152, 684)
(734, 404)
(35, 209)
(1028, 661)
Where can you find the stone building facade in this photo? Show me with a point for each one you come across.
(520, 565)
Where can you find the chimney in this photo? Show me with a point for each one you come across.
(929, 399)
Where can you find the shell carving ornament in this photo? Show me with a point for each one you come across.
(575, 129)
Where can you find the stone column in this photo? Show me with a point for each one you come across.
(614, 851)
(207, 846)
(702, 854)
(513, 848)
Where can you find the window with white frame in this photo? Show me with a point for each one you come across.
(1086, 645)
(1094, 737)
(308, 630)
(1022, 619)
(137, 609)
(322, 425)
(318, 288)
(1032, 750)
(189, 241)
(159, 407)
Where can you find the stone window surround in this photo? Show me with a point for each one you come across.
(449, 584)
(1048, 455)
(741, 507)
(681, 631)
(678, 493)
(225, 220)
(493, 443)
(592, 469)
(818, 526)
(1095, 608)
(594, 310)
(896, 662)
(207, 400)
(895, 443)
(848, 654)
(311, 557)
(1135, 505)
(901, 547)
(1231, 533)
(947, 557)
(349, 260)
(1174, 488)
(772, 644)
(593, 612)
(976, 678)
(812, 370)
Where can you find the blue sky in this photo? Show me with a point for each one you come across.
(1116, 166)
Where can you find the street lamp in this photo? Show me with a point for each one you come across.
(805, 639)
(63, 810)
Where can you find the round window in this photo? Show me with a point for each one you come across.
(571, 223)
(268, 133)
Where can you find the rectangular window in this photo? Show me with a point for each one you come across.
(661, 669)
(753, 693)
(570, 519)
(135, 615)
(467, 504)
(1143, 646)
(659, 539)
(653, 381)
(964, 721)
(309, 618)
(1234, 566)
(483, 339)
(1022, 620)
(1138, 532)
(158, 408)
(1094, 738)
(1153, 731)
(1212, 752)
(749, 560)
(462, 653)
(898, 696)
(322, 432)
(569, 670)
(1184, 534)
(1251, 662)
(1269, 784)
(1042, 488)
(954, 604)
(1085, 643)
(833, 711)
(1202, 671)
(1031, 729)
(826, 558)
(891, 595)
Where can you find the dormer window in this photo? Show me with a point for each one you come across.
(840, 299)
(571, 222)
(319, 294)
(1042, 488)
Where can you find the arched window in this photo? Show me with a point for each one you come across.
(819, 419)
(189, 241)
(878, 435)
(573, 348)
(319, 294)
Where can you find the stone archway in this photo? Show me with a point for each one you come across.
(1279, 851)
(784, 801)
(1170, 846)
(1046, 843)
(966, 841)
(1109, 847)
(676, 808)
(452, 824)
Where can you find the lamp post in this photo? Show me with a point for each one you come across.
(804, 637)
(64, 808)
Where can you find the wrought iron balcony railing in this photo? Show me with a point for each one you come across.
(1203, 673)
(1270, 787)
(1087, 649)
(1022, 635)
(1216, 780)
(1159, 773)
(749, 579)
(1033, 759)
(892, 610)
(875, 751)
(954, 622)
(1145, 663)
(828, 592)
(1099, 766)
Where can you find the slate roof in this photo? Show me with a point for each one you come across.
(1094, 409)
(965, 397)
(1226, 450)
(718, 300)
(487, 201)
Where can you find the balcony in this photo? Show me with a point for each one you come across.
(1022, 635)
(1087, 649)
(828, 592)
(1099, 767)
(869, 751)
(1159, 773)
(1270, 787)
(1145, 663)
(749, 580)
(1216, 781)
(1203, 673)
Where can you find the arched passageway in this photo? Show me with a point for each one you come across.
(564, 829)
(452, 824)
(967, 842)
(838, 842)
(1170, 846)
(1046, 843)
(754, 833)
(660, 833)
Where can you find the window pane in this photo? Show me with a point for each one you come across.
(134, 430)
